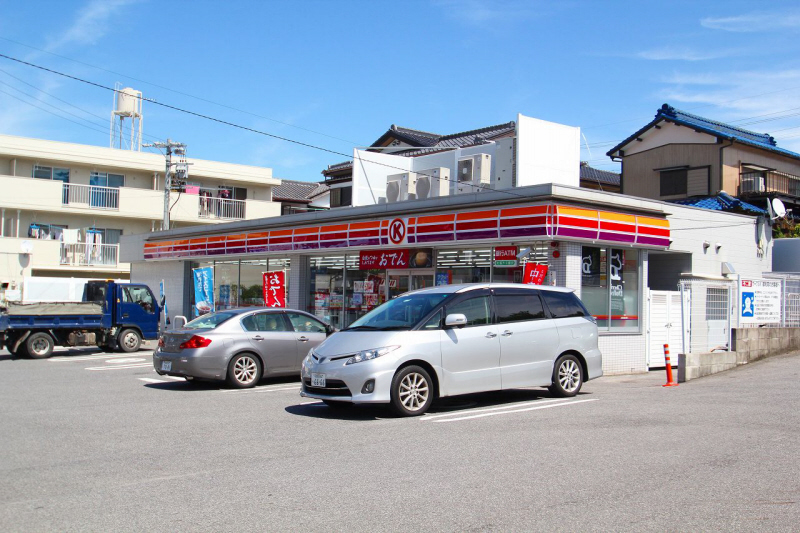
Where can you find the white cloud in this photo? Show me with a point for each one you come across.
(669, 53)
(753, 22)
(91, 23)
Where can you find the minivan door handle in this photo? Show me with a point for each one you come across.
(506, 333)
(258, 338)
(491, 335)
(302, 339)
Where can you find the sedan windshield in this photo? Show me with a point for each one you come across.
(209, 321)
(404, 312)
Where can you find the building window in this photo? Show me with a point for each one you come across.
(673, 182)
(341, 196)
(610, 287)
(327, 289)
(51, 173)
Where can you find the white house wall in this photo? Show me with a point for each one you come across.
(547, 152)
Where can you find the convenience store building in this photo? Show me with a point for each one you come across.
(338, 264)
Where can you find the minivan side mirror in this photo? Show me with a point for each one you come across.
(455, 320)
(329, 330)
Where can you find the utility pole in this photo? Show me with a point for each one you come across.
(178, 149)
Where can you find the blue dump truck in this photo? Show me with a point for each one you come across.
(113, 316)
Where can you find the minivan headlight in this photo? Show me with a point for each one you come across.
(368, 355)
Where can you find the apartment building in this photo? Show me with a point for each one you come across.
(64, 206)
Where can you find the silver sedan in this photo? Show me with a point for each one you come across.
(240, 346)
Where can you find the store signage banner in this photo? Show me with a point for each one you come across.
(203, 290)
(616, 266)
(505, 256)
(534, 274)
(275, 289)
(382, 259)
(759, 301)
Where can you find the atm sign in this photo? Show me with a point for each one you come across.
(505, 256)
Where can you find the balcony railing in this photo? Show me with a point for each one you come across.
(768, 182)
(221, 208)
(89, 254)
(93, 196)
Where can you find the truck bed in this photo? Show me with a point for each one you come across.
(54, 308)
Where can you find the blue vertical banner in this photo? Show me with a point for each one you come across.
(203, 290)
(162, 292)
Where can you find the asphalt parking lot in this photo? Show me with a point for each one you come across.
(100, 442)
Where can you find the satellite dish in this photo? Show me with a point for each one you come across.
(778, 208)
(26, 246)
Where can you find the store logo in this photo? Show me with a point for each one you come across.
(397, 231)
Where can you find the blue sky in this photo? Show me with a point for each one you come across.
(337, 74)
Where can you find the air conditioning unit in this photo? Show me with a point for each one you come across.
(474, 173)
(433, 182)
(399, 185)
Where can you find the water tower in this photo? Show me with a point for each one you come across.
(127, 105)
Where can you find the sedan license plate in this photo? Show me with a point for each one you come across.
(166, 366)
(318, 380)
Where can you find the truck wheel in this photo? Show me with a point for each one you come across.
(129, 340)
(39, 345)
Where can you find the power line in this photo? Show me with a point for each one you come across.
(180, 92)
(245, 128)
(104, 119)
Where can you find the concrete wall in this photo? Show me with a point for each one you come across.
(749, 344)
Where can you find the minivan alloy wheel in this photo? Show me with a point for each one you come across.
(569, 375)
(245, 370)
(414, 391)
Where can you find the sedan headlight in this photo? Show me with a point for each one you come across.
(368, 355)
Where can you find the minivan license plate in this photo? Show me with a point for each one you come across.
(166, 366)
(318, 380)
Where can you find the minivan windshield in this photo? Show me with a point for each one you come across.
(209, 321)
(403, 312)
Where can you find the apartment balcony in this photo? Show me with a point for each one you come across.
(89, 254)
(768, 182)
(30, 194)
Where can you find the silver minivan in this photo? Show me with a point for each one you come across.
(457, 339)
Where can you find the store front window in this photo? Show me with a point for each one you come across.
(327, 289)
(610, 287)
(240, 283)
(366, 289)
(472, 265)
(538, 254)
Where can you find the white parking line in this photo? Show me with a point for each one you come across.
(260, 389)
(151, 380)
(63, 358)
(469, 417)
(120, 367)
(488, 409)
(174, 378)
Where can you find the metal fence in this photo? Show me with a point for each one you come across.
(790, 300)
(711, 308)
(707, 312)
(94, 196)
(224, 208)
(89, 254)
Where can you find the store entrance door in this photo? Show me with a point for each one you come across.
(401, 281)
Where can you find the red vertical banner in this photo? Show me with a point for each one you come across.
(275, 289)
(534, 274)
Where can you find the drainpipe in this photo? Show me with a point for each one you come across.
(17, 223)
(14, 167)
(3, 223)
(730, 143)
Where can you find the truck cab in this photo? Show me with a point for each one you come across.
(131, 305)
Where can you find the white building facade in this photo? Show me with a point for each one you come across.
(65, 206)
